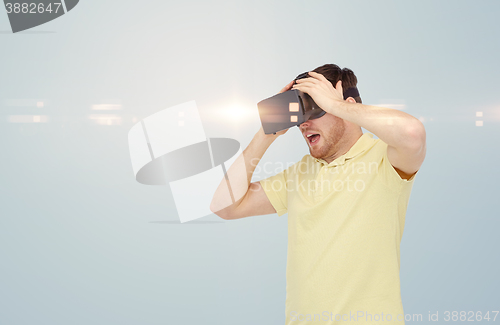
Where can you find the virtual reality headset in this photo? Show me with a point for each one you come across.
(291, 108)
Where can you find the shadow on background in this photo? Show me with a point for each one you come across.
(27, 32)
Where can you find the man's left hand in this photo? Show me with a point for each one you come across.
(321, 90)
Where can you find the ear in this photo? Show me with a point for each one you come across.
(350, 100)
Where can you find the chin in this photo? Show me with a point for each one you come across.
(316, 154)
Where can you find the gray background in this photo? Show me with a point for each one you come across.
(82, 243)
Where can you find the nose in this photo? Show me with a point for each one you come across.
(304, 126)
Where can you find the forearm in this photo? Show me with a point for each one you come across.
(397, 129)
(239, 175)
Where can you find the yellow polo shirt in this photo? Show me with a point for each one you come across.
(345, 223)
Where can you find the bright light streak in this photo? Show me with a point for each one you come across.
(28, 118)
(237, 112)
(398, 104)
(231, 113)
(106, 107)
(106, 119)
(400, 107)
(24, 102)
(479, 123)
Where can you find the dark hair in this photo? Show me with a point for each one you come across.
(334, 73)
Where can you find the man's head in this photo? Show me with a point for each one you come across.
(334, 73)
(329, 135)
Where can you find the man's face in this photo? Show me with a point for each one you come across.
(323, 135)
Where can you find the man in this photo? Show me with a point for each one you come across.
(346, 203)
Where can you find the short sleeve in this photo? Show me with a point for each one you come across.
(276, 191)
(390, 175)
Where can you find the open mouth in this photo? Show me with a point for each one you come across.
(313, 138)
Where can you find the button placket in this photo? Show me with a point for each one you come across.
(318, 193)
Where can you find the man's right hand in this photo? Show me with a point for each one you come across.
(249, 199)
(286, 88)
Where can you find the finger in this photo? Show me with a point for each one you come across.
(308, 83)
(325, 81)
(287, 87)
(298, 87)
(317, 76)
(307, 80)
(322, 79)
(304, 88)
(310, 87)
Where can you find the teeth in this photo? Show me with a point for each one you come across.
(310, 135)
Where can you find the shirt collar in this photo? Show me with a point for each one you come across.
(362, 144)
